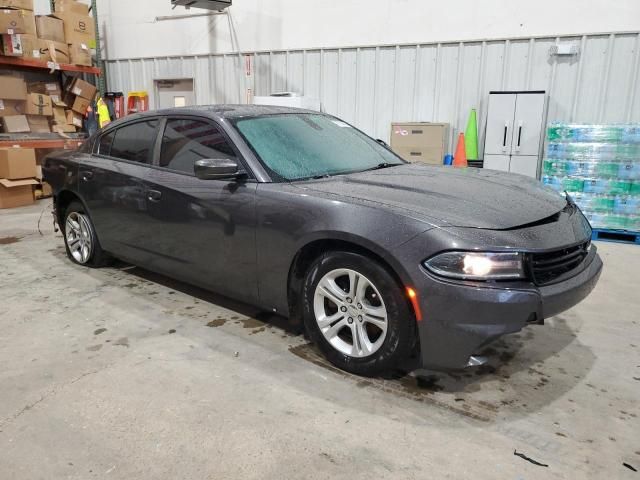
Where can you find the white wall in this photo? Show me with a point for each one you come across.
(133, 32)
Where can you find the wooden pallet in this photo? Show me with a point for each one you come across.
(618, 236)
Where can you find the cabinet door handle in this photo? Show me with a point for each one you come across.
(519, 135)
(504, 139)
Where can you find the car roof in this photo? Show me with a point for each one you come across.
(221, 112)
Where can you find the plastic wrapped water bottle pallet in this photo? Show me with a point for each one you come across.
(618, 236)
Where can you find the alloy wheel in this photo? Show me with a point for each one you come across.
(78, 237)
(350, 313)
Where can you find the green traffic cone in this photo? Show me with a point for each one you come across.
(471, 136)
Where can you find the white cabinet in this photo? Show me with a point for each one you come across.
(515, 125)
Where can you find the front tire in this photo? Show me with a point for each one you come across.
(356, 313)
(80, 239)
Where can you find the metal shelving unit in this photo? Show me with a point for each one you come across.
(17, 62)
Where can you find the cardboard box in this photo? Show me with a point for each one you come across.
(80, 105)
(17, 163)
(16, 193)
(51, 51)
(12, 87)
(74, 118)
(80, 88)
(50, 28)
(78, 28)
(17, 4)
(59, 114)
(38, 124)
(39, 104)
(9, 108)
(42, 191)
(53, 89)
(72, 6)
(30, 46)
(11, 45)
(79, 54)
(30, 23)
(63, 128)
(15, 124)
(12, 21)
(420, 142)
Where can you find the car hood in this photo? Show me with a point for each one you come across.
(447, 196)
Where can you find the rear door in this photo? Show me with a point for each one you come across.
(112, 183)
(202, 231)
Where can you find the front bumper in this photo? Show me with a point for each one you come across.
(461, 318)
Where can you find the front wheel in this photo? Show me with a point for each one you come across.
(356, 313)
(80, 238)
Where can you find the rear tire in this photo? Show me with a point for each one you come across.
(356, 313)
(80, 239)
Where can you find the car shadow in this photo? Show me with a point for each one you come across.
(524, 371)
(243, 309)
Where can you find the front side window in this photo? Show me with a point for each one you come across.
(185, 141)
(301, 145)
(134, 142)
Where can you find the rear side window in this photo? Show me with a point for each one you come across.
(134, 142)
(104, 145)
(185, 141)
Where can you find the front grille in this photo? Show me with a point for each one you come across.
(546, 267)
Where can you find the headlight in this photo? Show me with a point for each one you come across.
(477, 266)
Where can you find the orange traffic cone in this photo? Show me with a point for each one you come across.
(460, 158)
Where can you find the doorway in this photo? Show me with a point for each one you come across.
(174, 93)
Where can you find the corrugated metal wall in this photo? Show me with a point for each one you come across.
(373, 86)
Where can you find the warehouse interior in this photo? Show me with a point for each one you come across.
(125, 372)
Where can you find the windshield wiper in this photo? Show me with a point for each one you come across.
(382, 165)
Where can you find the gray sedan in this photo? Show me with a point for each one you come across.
(302, 214)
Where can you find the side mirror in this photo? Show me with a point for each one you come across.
(216, 169)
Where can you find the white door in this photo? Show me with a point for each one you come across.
(524, 165)
(500, 116)
(527, 133)
(174, 93)
(497, 162)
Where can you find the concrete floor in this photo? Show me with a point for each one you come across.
(119, 373)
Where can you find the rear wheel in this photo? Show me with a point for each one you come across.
(80, 239)
(355, 312)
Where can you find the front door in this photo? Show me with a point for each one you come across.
(202, 231)
(112, 182)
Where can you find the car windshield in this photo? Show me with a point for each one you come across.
(302, 146)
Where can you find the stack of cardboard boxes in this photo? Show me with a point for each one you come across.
(78, 95)
(18, 29)
(17, 169)
(41, 107)
(66, 36)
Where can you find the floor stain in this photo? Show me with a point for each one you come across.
(9, 240)
(94, 348)
(99, 331)
(420, 389)
(218, 322)
(122, 342)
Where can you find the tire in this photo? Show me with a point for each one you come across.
(366, 332)
(80, 239)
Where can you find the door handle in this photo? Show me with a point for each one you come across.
(154, 195)
(86, 175)
(519, 136)
(504, 138)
